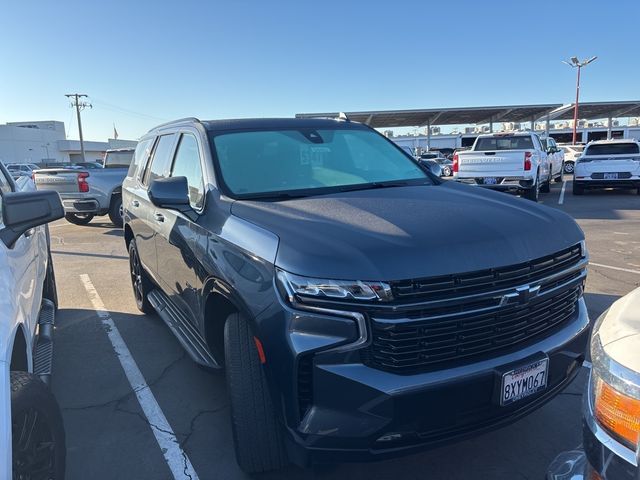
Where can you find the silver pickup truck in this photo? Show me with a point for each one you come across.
(86, 193)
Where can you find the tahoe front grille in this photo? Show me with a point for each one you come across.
(414, 345)
(467, 317)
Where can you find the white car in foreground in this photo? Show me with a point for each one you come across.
(31, 430)
(611, 404)
(608, 164)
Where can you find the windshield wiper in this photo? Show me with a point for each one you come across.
(374, 185)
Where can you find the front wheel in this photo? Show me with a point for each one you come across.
(257, 434)
(139, 280)
(79, 218)
(37, 431)
(568, 167)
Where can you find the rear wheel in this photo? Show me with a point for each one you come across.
(257, 434)
(115, 210)
(578, 189)
(79, 218)
(533, 193)
(37, 431)
(139, 280)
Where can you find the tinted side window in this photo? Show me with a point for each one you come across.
(160, 162)
(5, 187)
(142, 152)
(187, 164)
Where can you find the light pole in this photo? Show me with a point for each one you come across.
(575, 63)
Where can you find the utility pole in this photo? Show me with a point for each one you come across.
(79, 104)
(575, 63)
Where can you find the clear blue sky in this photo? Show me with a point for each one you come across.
(276, 58)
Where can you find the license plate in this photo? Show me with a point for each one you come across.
(490, 180)
(524, 381)
(611, 176)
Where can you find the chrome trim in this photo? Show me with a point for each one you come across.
(601, 434)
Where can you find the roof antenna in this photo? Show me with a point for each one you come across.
(343, 116)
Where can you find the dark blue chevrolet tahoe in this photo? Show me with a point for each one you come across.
(305, 256)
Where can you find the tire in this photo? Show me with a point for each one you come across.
(546, 186)
(568, 167)
(79, 218)
(139, 280)
(257, 434)
(446, 171)
(578, 189)
(33, 404)
(115, 211)
(533, 193)
(50, 290)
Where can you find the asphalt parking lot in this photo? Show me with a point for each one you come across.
(110, 437)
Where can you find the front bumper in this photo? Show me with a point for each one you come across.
(353, 412)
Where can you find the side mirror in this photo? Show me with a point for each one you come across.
(23, 211)
(172, 192)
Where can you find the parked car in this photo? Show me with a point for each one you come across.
(32, 440)
(87, 165)
(304, 256)
(555, 155)
(611, 407)
(446, 165)
(511, 161)
(571, 154)
(92, 191)
(21, 169)
(608, 164)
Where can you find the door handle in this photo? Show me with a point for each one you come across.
(135, 203)
(159, 217)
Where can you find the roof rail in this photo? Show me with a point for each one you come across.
(178, 121)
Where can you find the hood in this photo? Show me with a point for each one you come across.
(620, 331)
(408, 232)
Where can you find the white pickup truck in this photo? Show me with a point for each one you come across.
(510, 161)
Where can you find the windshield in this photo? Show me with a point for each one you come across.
(323, 160)
(118, 159)
(613, 149)
(511, 142)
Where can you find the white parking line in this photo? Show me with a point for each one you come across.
(561, 199)
(628, 270)
(176, 458)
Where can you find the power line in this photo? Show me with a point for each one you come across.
(110, 106)
(79, 104)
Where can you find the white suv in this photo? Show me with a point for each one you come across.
(31, 429)
(608, 164)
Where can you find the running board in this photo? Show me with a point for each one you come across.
(182, 328)
(43, 351)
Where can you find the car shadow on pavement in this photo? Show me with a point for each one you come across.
(597, 303)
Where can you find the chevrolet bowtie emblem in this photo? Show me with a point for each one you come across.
(521, 296)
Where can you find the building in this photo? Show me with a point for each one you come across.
(45, 142)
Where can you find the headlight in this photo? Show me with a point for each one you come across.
(615, 394)
(317, 288)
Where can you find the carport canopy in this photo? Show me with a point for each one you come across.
(483, 115)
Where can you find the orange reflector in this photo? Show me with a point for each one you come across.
(618, 413)
(263, 359)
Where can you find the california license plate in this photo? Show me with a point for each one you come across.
(524, 381)
(490, 180)
(611, 176)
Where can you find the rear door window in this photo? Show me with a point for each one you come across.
(613, 149)
(142, 152)
(161, 161)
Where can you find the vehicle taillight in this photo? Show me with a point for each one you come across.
(83, 186)
(456, 160)
(527, 161)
